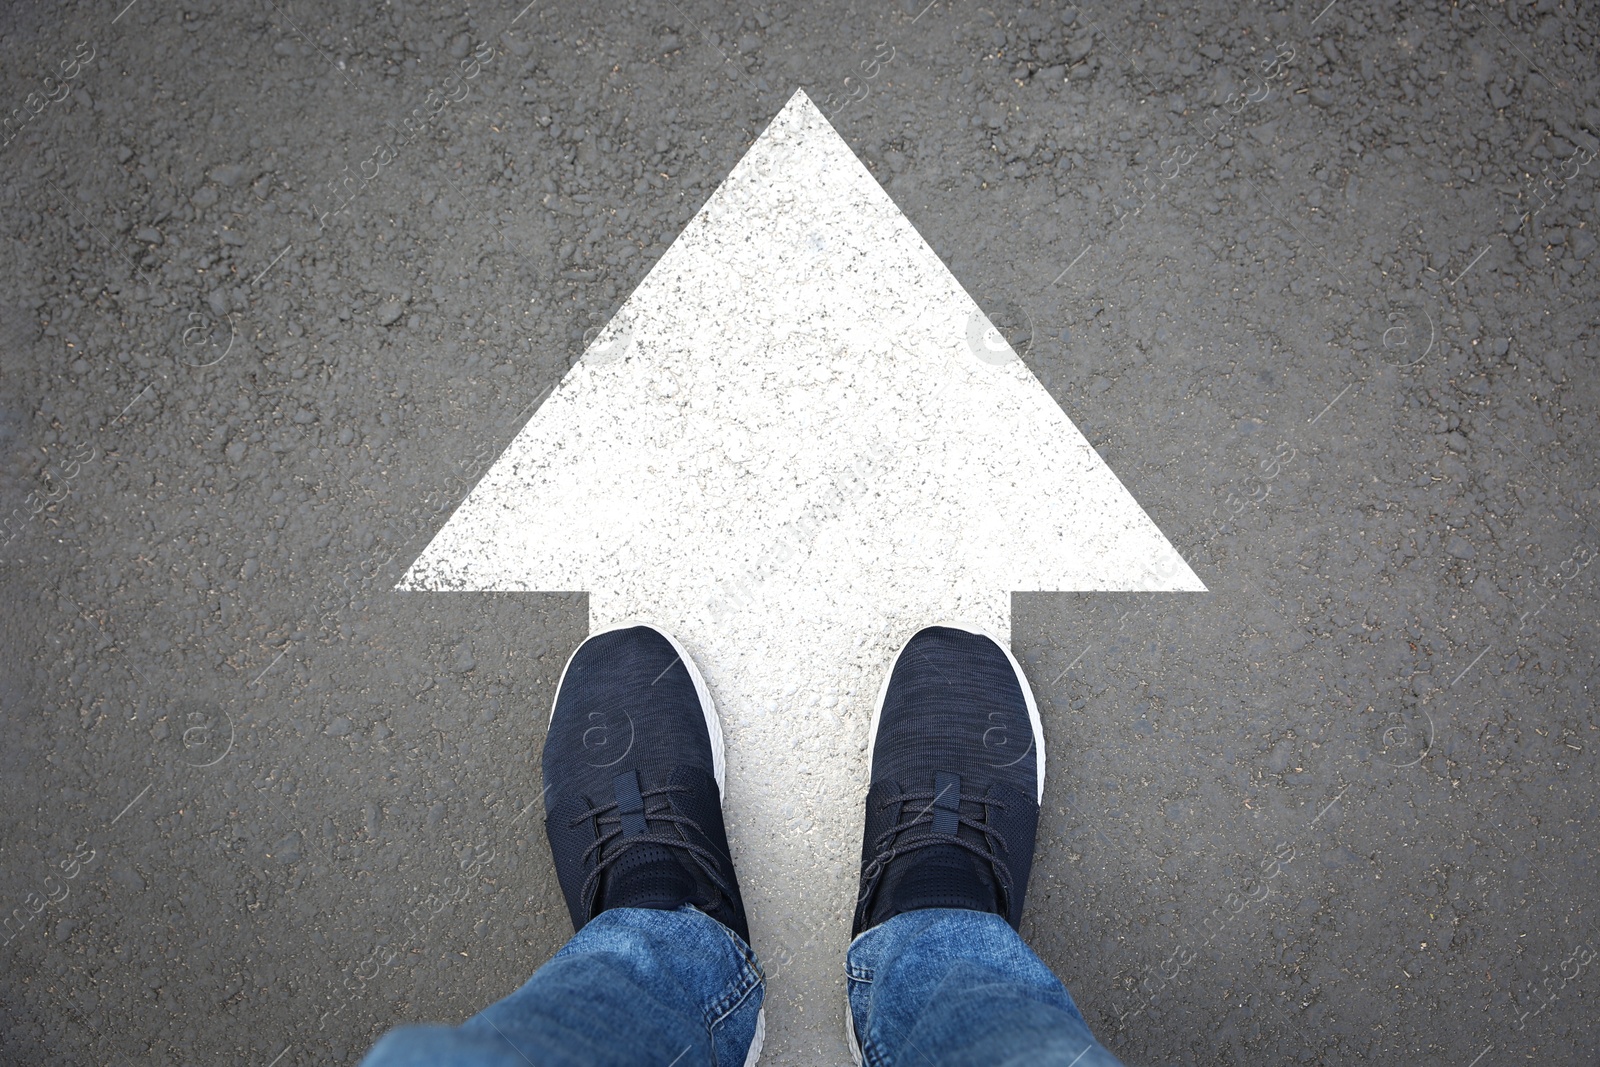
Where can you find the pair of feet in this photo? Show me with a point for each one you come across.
(633, 771)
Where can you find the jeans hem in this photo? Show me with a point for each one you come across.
(751, 978)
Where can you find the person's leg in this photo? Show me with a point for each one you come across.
(952, 986)
(937, 972)
(659, 969)
(634, 986)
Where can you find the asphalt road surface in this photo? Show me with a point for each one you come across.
(281, 280)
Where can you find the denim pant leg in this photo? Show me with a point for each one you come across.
(943, 987)
(634, 986)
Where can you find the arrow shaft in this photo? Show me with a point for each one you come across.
(795, 676)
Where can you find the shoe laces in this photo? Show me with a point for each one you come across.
(901, 839)
(611, 830)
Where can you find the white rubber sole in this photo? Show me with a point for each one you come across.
(760, 1039)
(850, 1028)
(713, 724)
(1022, 681)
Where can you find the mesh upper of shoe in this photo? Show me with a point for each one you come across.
(627, 704)
(953, 710)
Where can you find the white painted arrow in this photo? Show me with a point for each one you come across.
(798, 441)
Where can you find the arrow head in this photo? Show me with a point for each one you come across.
(800, 359)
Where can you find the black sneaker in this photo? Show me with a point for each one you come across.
(633, 782)
(957, 758)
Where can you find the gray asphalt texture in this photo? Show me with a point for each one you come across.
(280, 280)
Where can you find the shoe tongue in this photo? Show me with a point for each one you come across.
(938, 876)
(648, 876)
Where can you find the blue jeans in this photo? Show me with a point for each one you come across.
(946, 987)
(636, 986)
